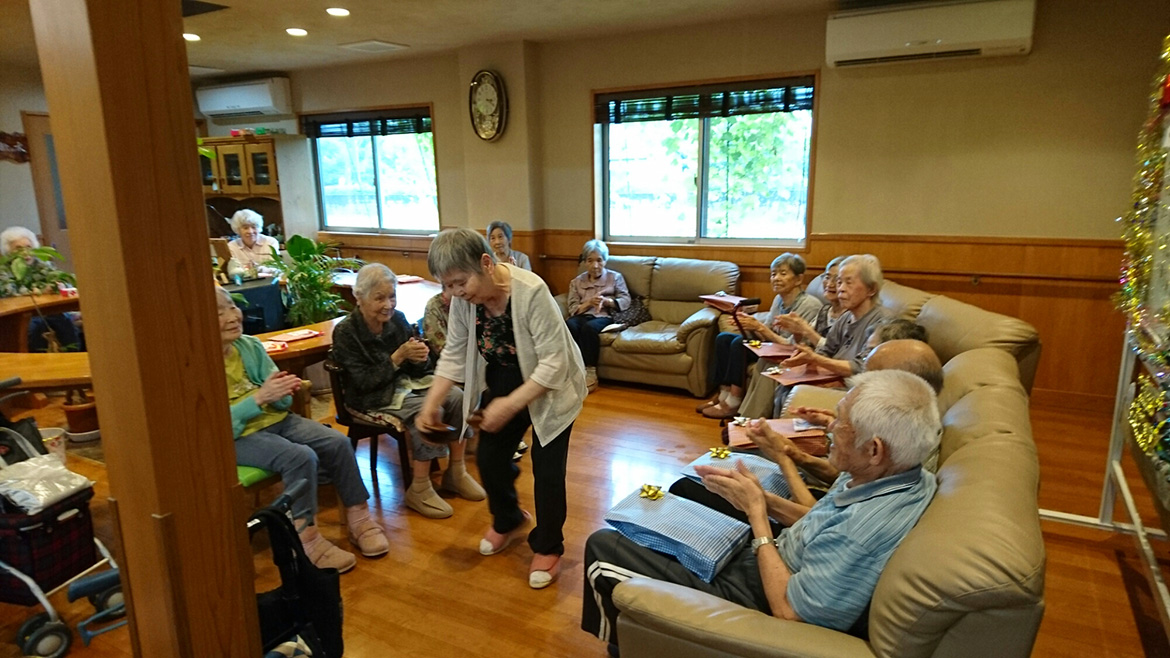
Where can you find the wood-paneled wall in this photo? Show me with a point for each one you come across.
(1062, 287)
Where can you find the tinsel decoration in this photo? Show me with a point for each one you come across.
(1147, 326)
(1147, 417)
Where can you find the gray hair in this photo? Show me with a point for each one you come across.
(869, 268)
(794, 263)
(371, 276)
(247, 217)
(457, 250)
(223, 296)
(503, 226)
(14, 233)
(592, 246)
(901, 409)
(835, 262)
(899, 329)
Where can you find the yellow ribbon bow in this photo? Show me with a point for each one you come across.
(720, 452)
(651, 491)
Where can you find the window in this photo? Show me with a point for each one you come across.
(375, 170)
(724, 163)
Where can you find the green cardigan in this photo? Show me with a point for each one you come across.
(258, 366)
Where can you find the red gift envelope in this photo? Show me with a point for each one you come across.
(271, 346)
(811, 441)
(771, 351)
(801, 375)
(299, 334)
(725, 303)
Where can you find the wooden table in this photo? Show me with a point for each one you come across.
(17, 312)
(46, 372)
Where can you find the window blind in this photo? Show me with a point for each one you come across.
(364, 124)
(716, 100)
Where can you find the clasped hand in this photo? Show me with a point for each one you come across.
(413, 350)
(794, 324)
(805, 355)
(278, 385)
(749, 322)
(737, 486)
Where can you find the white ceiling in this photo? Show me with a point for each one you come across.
(249, 35)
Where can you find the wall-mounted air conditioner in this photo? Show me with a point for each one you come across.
(252, 98)
(912, 33)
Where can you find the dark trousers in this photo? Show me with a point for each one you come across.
(611, 559)
(731, 360)
(586, 332)
(499, 472)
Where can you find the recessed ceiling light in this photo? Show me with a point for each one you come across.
(337, 11)
(297, 32)
(190, 37)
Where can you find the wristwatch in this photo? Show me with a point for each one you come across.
(760, 541)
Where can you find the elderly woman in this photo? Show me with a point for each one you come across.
(17, 237)
(40, 277)
(842, 351)
(832, 310)
(500, 238)
(594, 296)
(732, 359)
(269, 437)
(387, 372)
(506, 335)
(252, 248)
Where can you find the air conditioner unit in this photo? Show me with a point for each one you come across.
(957, 29)
(251, 98)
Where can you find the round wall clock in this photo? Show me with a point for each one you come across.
(488, 105)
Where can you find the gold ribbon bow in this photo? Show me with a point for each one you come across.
(651, 491)
(720, 452)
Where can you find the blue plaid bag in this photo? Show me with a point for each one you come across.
(765, 470)
(700, 538)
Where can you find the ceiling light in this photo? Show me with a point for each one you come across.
(297, 32)
(337, 11)
(190, 37)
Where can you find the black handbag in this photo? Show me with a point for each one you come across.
(308, 601)
(635, 315)
(20, 440)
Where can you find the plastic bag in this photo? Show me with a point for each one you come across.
(36, 483)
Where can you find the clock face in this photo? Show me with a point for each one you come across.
(488, 105)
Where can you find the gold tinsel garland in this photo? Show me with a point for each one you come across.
(1149, 328)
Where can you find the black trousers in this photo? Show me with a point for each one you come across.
(586, 332)
(731, 360)
(611, 559)
(499, 472)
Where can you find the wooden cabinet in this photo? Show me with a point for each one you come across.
(243, 166)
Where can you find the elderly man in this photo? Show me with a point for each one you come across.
(823, 569)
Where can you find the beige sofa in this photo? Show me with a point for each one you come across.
(969, 578)
(673, 349)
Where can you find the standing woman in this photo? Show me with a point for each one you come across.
(594, 296)
(506, 317)
(500, 237)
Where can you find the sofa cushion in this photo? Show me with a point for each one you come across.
(983, 412)
(654, 337)
(976, 369)
(903, 301)
(650, 367)
(684, 279)
(636, 270)
(977, 547)
(955, 327)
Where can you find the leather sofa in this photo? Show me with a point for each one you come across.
(969, 578)
(675, 348)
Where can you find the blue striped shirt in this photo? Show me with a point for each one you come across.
(837, 551)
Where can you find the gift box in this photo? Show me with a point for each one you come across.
(766, 471)
(700, 538)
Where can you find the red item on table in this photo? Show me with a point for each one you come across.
(772, 351)
(812, 441)
(801, 375)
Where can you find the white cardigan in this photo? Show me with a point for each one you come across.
(545, 349)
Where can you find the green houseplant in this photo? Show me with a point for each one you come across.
(31, 272)
(308, 273)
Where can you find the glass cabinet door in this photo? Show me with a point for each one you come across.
(231, 169)
(262, 168)
(209, 173)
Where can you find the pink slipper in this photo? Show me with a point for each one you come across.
(544, 570)
(494, 542)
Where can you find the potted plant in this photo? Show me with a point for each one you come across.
(308, 275)
(31, 272)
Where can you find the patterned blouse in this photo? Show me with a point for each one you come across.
(496, 339)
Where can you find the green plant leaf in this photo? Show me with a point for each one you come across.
(19, 268)
(301, 248)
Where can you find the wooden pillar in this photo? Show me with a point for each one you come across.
(115, 76)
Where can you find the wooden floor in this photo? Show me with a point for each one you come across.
(434, 594)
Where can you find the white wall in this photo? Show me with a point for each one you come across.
(20, 90)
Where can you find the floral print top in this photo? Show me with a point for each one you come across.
(497, 342)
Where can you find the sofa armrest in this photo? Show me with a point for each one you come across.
(562, 301)
(709, 621)
(704, 317)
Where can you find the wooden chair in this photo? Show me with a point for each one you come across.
(359, 429)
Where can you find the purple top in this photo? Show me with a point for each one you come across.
(609, 284)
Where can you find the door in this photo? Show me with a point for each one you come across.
(232, 174)
(262, 168)
(47, 186)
